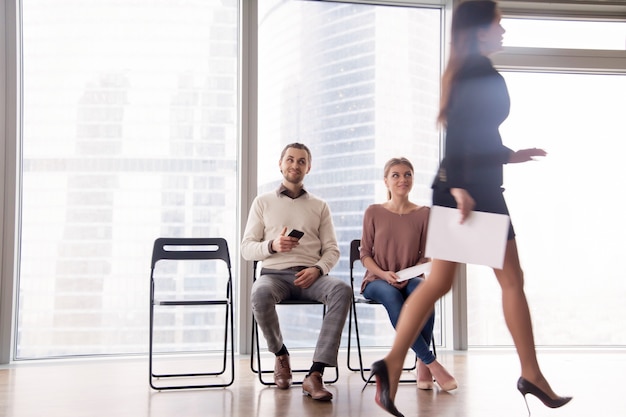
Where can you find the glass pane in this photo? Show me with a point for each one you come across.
(568, 34)
(130, 133)
(570, 240)
(358, 84)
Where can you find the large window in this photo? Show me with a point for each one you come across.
(130, 119)
(129, 133)
(565, 208)
(358, 84)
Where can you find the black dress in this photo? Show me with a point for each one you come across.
(474, 154)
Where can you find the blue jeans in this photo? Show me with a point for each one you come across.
(393, 299)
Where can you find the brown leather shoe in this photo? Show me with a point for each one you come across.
(282, 371)
(313, 386)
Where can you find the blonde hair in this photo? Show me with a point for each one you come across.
(393, 162)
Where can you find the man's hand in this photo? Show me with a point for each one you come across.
(284, 243)
(306, 277)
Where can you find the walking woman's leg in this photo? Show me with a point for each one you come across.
(517, 317)
(416, 310)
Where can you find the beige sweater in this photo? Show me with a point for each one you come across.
(271, 212)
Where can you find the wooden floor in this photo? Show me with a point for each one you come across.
(119, 388)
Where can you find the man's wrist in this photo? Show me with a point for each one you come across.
(319, 268)
(272, 251)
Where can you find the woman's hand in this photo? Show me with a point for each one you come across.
(525, 155)
(464, 202)
(392, 279)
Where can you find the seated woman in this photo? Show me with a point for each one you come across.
(394, 238)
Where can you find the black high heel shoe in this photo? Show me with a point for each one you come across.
(526, 387)
(379, 370)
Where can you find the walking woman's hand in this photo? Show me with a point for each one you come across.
(525, 155)
(464, 202)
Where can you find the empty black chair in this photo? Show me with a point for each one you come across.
(206, 285)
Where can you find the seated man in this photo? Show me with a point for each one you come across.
(296, 268)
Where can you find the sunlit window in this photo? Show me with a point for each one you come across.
(130, 131)
(568, 34)
(358, 84)
(569, 229)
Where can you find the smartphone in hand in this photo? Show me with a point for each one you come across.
(295, 233)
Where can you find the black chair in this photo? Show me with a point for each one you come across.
(355, 255)
(255, 351)
(198, 292)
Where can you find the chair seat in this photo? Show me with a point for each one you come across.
(358, 298)
(191, 302)
(300, 302)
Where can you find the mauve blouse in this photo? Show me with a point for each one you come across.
(393, 241)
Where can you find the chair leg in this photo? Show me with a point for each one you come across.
(252, 347)
(150, 372)
(255, 355)
(229, 327)
(362, 369)
(256, 350)
(348, 361)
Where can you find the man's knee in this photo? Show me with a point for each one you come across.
(342, 293)
(261, 297)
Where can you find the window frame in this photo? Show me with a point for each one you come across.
(10, 138)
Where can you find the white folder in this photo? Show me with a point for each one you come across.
(481, 239)
(413, 271)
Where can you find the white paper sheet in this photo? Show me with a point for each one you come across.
(480, 240)
(413, 271)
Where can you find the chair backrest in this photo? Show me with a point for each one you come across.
(190, 248)
(355, 255)
(355, 252)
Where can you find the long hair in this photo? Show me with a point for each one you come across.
(467, 19)
(393, 162)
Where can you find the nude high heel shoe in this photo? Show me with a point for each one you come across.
(424, 377)
(442, 377)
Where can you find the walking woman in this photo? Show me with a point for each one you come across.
(474, 102)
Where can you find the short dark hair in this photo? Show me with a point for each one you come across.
(296, 145)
